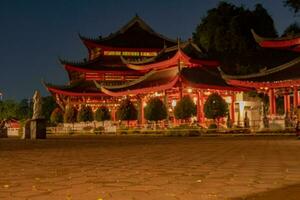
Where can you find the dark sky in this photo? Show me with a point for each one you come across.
(34, 33)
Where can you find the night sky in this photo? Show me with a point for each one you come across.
(34, 34)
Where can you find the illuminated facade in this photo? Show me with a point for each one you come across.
(139, 63)
(281, 81)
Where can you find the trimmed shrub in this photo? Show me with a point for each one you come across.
(155, 110)
(70, 114)
(56, 116)
(215, 107)
(127, 111)
(85, 114)
(185, 108)
(102, 113)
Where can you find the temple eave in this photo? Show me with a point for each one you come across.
(265, 85)
(144, 90)
(77, 94)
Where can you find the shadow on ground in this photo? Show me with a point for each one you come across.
(290, 192)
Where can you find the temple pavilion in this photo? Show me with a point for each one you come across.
(138, 63)
(282, 80)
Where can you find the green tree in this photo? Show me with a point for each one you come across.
(215, 107)
(70, 114)
(155, 110)
(56, 116)
(292, 30)
(225, 34)
(8, 109)
(185, 108)
(127, 111)
(102, 113)
(85, 114)
(48, 105)
(24, 109)
(293, 4)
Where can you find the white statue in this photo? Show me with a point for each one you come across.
(37, 105)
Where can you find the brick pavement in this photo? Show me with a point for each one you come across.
(167, 168)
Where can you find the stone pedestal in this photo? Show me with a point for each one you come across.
(26, 130)
(3, 133)
(38, 129)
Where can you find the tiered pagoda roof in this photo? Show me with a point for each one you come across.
(136, 40)
(171, 56)
(135, 34)
(284, 75)
(287, 43)
(171, 72)
(80, 88)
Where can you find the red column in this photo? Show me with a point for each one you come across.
(142, 117)
(295, 99)
(200, 107)
(288, 103)
(202, 101)
(285, 100)
(272, 100)
(113, 114)
(232, 108)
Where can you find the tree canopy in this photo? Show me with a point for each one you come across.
(185, 108)
(70, 114)
(292, 30)
(127, 111)
(155, 110)
(56, 116)
(225, 33)
(85, 114)
(293, 4)
(48, 105)
(24, 109)
(215, 107)
(102, 114)
(8, 109)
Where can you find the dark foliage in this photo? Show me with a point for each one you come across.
(293, 4)
(8, 109)
(215, 107)
(155, 110)
(225, 33)
(292, 30)
(70, 114)
(48, 105)
(56, 116)
(185, 108)
(85, 114)
(102, 113)
(127, 111)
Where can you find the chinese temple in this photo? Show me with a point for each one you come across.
(135, 41)
(282, 80)
(139, 63)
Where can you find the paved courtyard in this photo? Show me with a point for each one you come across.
(142, 168)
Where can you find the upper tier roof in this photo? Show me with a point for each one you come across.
(289, 43)
(158, 80)
(187, 53)
(135, 34)
(80, 88)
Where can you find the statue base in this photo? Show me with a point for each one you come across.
(3, 133)
(38, 129)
